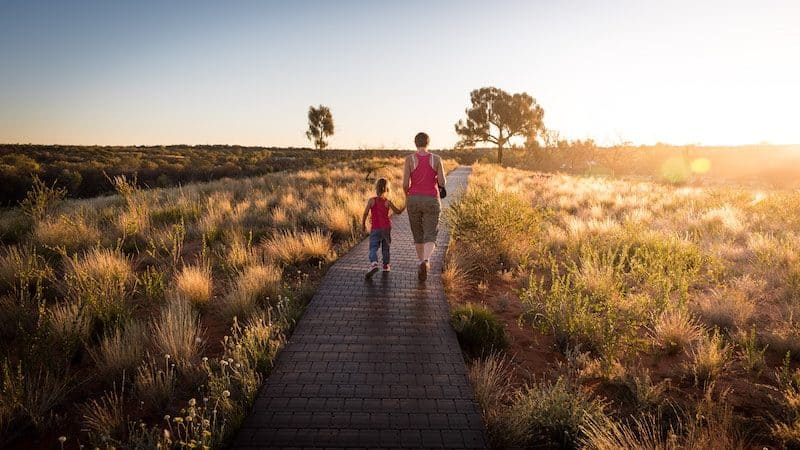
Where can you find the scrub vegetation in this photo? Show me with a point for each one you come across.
(150, 318)
(638, 314)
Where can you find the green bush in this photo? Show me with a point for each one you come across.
(497, 228)
(479, 332)
(547, 415)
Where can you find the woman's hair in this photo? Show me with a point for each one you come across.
(421, 140)
(381, 186)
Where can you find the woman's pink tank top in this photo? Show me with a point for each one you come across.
(423, 177)
(379, 214)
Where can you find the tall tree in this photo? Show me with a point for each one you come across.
(320, 126)
(497, 116)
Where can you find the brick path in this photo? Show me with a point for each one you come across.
(372, 364)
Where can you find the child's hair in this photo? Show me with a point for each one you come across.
(381, 186)
(422, 140)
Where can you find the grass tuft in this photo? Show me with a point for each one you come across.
(479, 331)
(194, 284)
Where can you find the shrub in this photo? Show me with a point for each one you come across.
(100, 280)
(497, 227)
(42, 200)
(194, 284)
(549, 415)
(665, 266)
(479, 331)
(177, 333)
(577, 318)
(14, 226)
(153, 283)
(21, 269)
(752, 355)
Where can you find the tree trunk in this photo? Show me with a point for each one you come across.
(500, 154)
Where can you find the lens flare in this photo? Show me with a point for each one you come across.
(675, 170)
(700, 165)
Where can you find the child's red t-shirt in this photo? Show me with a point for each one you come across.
(379, 214)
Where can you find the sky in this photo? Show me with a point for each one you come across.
(713, 72)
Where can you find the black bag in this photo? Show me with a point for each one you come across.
(442, 192)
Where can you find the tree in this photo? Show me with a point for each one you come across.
(320, 126)
(497, 116)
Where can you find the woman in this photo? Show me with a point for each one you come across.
(423, 173)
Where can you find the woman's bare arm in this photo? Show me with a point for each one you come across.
(440, 173)
(407, 175)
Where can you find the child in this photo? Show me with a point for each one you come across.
(380, 234)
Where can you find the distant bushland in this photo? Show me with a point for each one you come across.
(85, 171)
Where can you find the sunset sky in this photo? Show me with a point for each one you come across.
(103, 72)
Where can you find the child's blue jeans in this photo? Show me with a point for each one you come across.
(380, 238)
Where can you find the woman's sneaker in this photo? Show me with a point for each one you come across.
(387, 268)
(423, 271)
(373, 267)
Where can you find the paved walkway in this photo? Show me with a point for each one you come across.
(372, 364)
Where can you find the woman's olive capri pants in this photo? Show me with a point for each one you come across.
(423, 215)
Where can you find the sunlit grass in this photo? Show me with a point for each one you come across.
(698, 284)
(195, 285)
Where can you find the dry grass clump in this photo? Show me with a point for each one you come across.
(456, 276)
(106, 417)
(709, 358)
(726, 308)
(712, 430)
(296, 247)
(21, 268)
(155, 383)
(29, 397)
(9, 267)
(177, 332)
(675, 330)
(69, 325)
(639, 433)
(255, 286)
(281, 217)
(101, 280)
(70, 233)
(194, 284)
(240, 253)
(336, 219)
(120, 349)
(491, 380)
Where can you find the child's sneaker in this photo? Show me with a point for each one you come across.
(373, 267)
(387, 268)
(423, 271)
